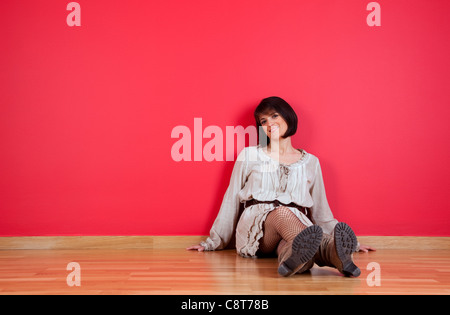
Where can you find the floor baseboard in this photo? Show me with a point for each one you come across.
(160, 242)
(98, 242)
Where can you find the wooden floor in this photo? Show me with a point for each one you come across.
(177, 271)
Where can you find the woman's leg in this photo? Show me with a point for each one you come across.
(337, 250)
(280, 224)
(295, 243)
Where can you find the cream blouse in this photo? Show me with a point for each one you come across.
(256, 175)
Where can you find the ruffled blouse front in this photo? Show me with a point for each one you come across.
(256, 175)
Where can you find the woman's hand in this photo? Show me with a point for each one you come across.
(200, 248)
(365, 248)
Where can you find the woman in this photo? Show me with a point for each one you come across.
(285, 207)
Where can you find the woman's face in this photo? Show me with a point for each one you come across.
(273, 124)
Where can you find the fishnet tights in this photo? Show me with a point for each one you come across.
(281, 225)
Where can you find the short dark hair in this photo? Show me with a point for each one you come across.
(281, 107)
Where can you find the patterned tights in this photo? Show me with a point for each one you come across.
(280, 224)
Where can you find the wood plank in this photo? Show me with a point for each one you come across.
(177, 271)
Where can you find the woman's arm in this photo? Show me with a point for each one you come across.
(320, 211)
(226, 220)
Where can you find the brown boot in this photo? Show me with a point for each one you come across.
(295, 256)
(338, 251)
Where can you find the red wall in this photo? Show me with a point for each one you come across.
(86, 112)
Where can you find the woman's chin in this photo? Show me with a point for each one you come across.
(274, 136)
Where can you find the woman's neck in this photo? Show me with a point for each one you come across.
(281, 146)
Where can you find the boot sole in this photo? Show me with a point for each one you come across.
(304, 247)
(346, 242)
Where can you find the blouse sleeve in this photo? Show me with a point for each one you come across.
(320, 211)
(226, 220)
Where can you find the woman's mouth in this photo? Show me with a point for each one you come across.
(274, 128)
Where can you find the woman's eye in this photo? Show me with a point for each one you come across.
(275, 116)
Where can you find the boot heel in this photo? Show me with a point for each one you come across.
(351, 270)
(284, 270)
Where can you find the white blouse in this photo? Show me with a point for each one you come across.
(256, 175)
